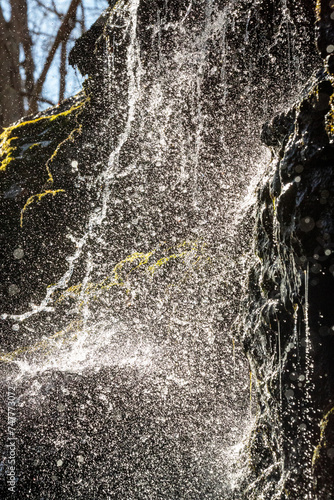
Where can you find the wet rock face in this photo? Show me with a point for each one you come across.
(42, 197)
(325, 25)
(226, 48)
(289, 327)
(122, 439)
(172, 91)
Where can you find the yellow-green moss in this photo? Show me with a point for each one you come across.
(329, 121)
(164, 260)
(27, 150)
(15, 136)
(119, 277)
(70, 137)
(318, 11)
(38, 197)
(6, 148)
(322, 441)
(141, 259)
(47, 344)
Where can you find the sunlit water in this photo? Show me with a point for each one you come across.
(144, 393)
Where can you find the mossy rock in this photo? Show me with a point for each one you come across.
(28, 148)
(39, 198)
(323, 458)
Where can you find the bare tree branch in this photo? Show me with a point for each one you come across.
(2, 19)
(63, 70)
(55, 8)
(11, 105)
(19, 19)
(83, 17)
(64, 31)
(48, 9)
(19, 89)
(39, 98)
(39, 33)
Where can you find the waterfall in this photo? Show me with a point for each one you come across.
(123, 337)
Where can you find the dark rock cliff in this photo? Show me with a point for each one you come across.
(182, 84)
(288, 330)
(52, 163)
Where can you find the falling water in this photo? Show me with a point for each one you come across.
(130, 381)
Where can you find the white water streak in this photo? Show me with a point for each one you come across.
(280, 360)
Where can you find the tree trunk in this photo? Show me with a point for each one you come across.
(11, 98)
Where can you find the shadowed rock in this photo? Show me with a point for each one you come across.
(289, 317)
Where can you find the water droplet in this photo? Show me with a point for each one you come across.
(299, 169)
(332, 16)
(18, 253)
(13, 289)
(74, 165)
(328, 251)
(316, 268)
(302, 427)
(307, 224)
(330, 452)
(59, 463)
(301, 378)
(289, 394)
(298, 178)
(80, 459)
(324, 331)
(16, 328)
(330, 49)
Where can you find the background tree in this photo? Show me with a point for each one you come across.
(35, 38)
